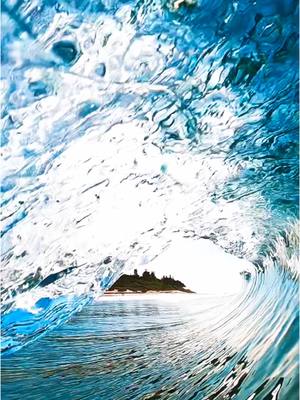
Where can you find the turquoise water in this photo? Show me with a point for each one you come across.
(154, 347)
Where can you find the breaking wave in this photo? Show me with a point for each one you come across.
(127, 126)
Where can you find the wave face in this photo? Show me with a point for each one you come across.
(127, 126)
(158, 346)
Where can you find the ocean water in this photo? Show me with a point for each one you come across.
(159, 346)
(129, 127)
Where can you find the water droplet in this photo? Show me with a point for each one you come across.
(38, 88)
(101, 69)
(163, 168)
(66, 50)
(87, 109)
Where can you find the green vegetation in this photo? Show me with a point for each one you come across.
(148, 281)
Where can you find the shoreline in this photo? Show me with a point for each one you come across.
(130, 292)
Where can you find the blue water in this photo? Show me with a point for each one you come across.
(128, 127)
(149, 347)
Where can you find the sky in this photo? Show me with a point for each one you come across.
(202, 266)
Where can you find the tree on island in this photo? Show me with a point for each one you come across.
(148, 281)
(146, 275)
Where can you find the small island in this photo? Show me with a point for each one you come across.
(147, 282)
